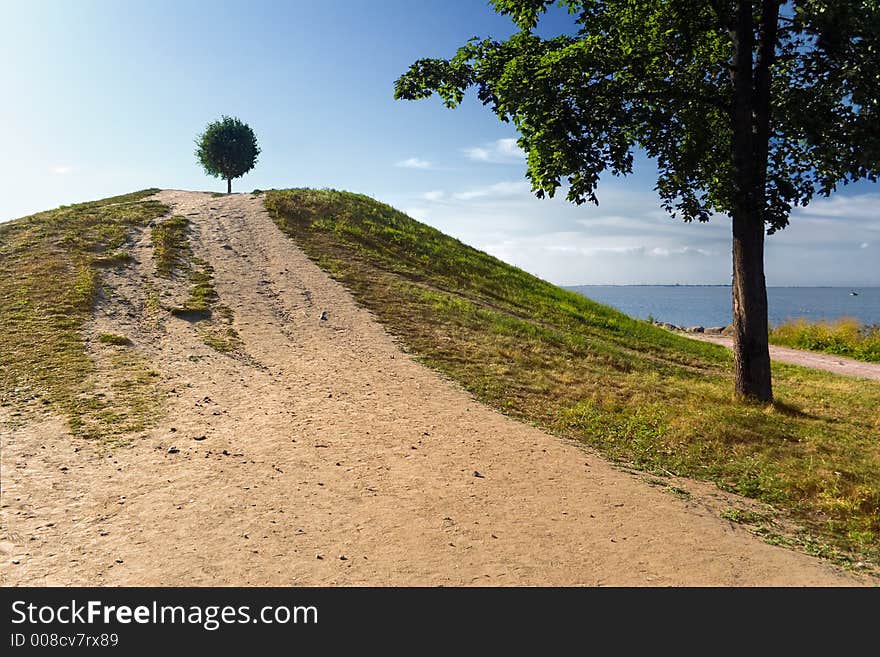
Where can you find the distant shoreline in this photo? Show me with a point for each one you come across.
(710, 305)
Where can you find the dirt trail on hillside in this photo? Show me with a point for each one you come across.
(321, 454)
(819, 361)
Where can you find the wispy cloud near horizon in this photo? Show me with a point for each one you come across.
(501, 151)
(629, 239)
(504, 189)
(859, 206)
(413, 163)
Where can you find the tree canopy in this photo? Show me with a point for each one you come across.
(227, 149)
(656, 74)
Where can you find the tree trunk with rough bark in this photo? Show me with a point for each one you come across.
(229, 185)
(751, 351)
(750, 125)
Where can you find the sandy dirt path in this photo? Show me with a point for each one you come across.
(327, 456)
(819, 361)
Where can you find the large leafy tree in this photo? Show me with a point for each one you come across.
(748, 107)
(227, 149)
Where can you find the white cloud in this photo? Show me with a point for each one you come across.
(476, 153)
(61, 170)
(615, 250)
(628, 239)
(573, 256)
(859, 206)
(502, 151)
(683, 250)
(413, 163)
(655, 252)
(607, 220)
(498, 190)
(435, 195)
(509, 148)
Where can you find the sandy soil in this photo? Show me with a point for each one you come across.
(324, 455)
(827, 362)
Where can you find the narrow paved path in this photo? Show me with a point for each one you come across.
(322, 454)
(819, 361)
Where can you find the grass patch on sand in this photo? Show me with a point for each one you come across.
(202, 295)
(641, 395)
(743, 516)
(221, 335)
(114, 339)
(222, 339)
(114, 259)
(174, 256)
(843, 337)
(170, 245)
(49, 279)
(119, 398)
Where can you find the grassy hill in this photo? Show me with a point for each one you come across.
(641, 395)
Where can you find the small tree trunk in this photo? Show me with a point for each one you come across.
(751, 352)
(229, 185)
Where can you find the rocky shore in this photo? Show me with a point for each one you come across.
(712, 330)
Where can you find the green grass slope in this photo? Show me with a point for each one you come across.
(639, 394)
(50, 276)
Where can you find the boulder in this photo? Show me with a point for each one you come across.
(695, 329)
(715, 330)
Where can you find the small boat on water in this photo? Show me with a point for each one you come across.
(853, 293)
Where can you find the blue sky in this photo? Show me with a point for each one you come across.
(102, 98)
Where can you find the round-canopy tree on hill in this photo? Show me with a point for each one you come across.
(227, 149)
(750, 107)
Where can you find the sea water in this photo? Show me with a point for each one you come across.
(710, 305)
